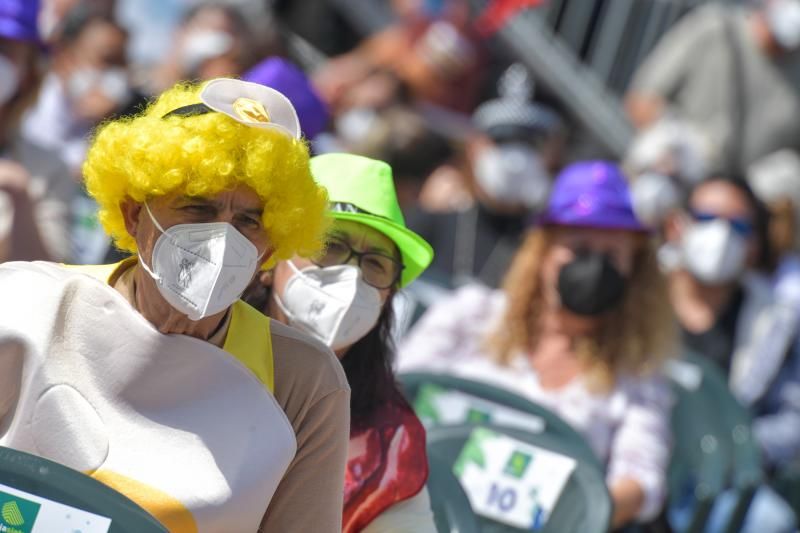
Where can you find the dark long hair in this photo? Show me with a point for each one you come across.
(368, 367)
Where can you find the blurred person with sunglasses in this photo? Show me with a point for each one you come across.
(729, 313)
(344, 298)
(35, 188)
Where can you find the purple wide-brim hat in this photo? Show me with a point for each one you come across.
(19, 20)
(591, 194)
(285, 77)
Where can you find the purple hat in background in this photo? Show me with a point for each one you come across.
(591, 194)
(285, 77)
(19, 20)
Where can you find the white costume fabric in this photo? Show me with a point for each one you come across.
(180, 426)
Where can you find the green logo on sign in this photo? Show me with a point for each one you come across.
(17, 515)
(474, 416)
(517, 464)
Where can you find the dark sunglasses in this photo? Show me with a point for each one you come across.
(742, 226)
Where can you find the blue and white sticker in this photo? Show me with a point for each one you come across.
(510, 481)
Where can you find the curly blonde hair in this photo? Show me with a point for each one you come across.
(144, 156)
(634, 339)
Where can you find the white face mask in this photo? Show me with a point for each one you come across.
(653, 196)
(513, 173)
(354, 125)
(333, 304)
(113, 83)
(713, 252)
(9, 80)
(783, 17)
(202, 45)
(201, 269)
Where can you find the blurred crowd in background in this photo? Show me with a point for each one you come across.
(476, 132)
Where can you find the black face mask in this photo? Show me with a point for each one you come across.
(590, 284)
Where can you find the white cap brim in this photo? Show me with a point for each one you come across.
(220, 95)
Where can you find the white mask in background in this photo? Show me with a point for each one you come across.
(669, 257)
(354, 125)
(713, 252)
(783, 17)
(513, 173)
(113, 83)
(653, 196)
(333, 304)
(202, 45)
(9, 80)
(201, 269)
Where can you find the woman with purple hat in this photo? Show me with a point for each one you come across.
(34, 186)
(580, 326)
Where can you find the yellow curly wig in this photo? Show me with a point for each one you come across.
(145, 156)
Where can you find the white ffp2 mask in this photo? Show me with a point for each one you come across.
(513, 173)
(713, 252)
(653, 196)
(333, 304)
(201, 269)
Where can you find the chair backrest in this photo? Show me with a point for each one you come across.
(699, 457)
(450, 505)
(584, 503)
(41, 481)
(489, 404)
(703, 389)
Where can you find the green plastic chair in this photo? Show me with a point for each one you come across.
(707, 413)
(699, 459)
(584, 504)
(787, 484)
(450, 505)
(746, 468)
(491, 399)
(56, 482)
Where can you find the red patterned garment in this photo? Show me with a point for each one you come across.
(387, 464)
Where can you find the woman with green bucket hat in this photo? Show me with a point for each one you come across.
(344, 299)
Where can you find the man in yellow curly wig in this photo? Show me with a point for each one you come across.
(151, 375)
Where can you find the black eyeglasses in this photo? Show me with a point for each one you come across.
(379, 270)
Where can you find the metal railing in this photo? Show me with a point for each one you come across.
(585, 52)
(612, 37)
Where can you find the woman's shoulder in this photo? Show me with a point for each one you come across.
(477, 296)
(651, 389)
(475, 302)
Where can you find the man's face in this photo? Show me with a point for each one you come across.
(241, 207)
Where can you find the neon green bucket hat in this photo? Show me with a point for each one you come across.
(362, 190)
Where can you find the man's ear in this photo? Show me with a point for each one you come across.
(131, 210)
